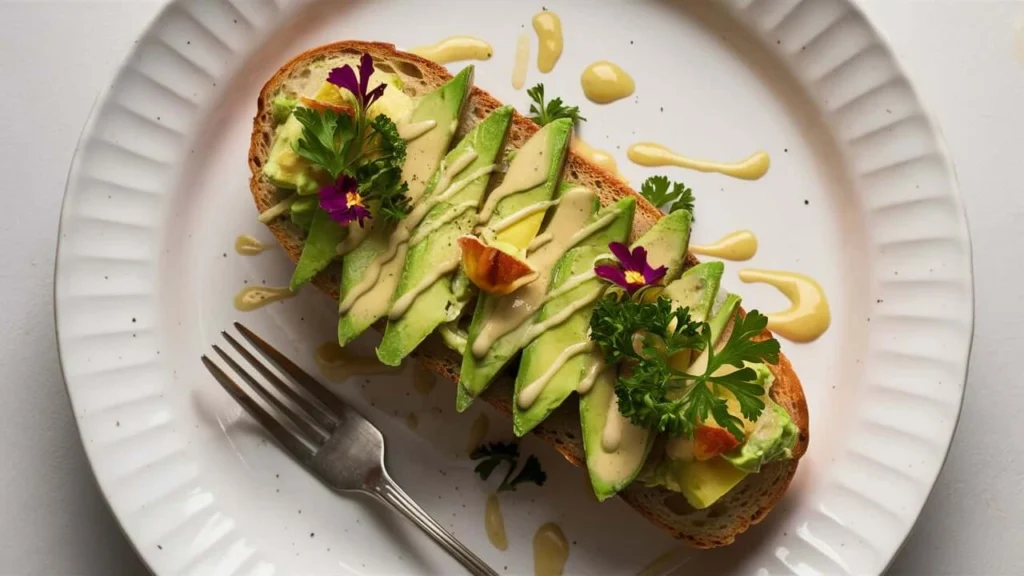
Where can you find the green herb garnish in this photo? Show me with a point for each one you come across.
(671, 197)
(491, 455)
(651, 393)
(543, 114)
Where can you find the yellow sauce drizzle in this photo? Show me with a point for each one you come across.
(550, 550)
(246, 245)
(605, 82)
(548, 27)
(602, 158)
(423, 380)
(494, 523)
(454, 49)
(737, 246)
(477, 432)
(808, 316)
(522, 62)
(650, 154)
(255, 297)
(338, 364)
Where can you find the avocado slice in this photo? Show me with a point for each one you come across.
(539, 369)
(367, 281)
(432, 295)
(539, 162)
(697, 289)
(284, 168)
(702, 483)
(320, 248)
(612, 470)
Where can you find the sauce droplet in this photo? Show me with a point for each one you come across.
(477, 432)
(423, 380)
(454, 49)
(602, 158)
(246, 245)
(808, 316)
(522, 61)
(256, 297)
(737, 246)
(494, 523)
(338, 364)
(548, 27)
(605, 82)
(650, 154)
(550, 550)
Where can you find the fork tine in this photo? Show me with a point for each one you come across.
(311, 432)
(285, 437)
(314, 387)
(324, 419)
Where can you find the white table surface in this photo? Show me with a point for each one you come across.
(56, 55)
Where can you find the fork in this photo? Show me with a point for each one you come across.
(327, 436)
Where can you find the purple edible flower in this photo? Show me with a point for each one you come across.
(342, 201)
(634, 272)
(345, 77)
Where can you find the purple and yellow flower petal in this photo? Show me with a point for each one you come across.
(633, 271)
(343, 203)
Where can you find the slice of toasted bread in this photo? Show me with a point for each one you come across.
(718, 525)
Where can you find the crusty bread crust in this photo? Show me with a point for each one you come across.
(718, 525)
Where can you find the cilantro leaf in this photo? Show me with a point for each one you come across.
(531, 472)
(543, 114)
(492, 455)
(496, 453)
(670, 196)
(326, 137)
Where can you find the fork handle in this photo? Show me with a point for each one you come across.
(390, 492)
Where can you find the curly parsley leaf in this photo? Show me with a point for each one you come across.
(543, 114)
(493, 454)
(380, 174)
(644, 338)
(670, 196)
(617, 320)
(326, 137)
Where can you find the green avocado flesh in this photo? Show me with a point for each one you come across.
(433, 306)
(541, 355)
(319, 249)
(423, 156)
(477, 373)
(286, 169)
(611, 471)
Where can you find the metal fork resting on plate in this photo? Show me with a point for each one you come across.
(329, 438)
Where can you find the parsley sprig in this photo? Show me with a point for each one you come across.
(496, 453)
(671, 196)
(542, 113)
(644, 337)
(367, 150)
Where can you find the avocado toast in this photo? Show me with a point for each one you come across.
(746, 497)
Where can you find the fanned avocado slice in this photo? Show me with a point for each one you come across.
(423, 156)
(537, 166)
(556, 362)
(611, 470)
(424, 297)
(320, 248)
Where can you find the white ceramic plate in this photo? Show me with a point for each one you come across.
(860, 195)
